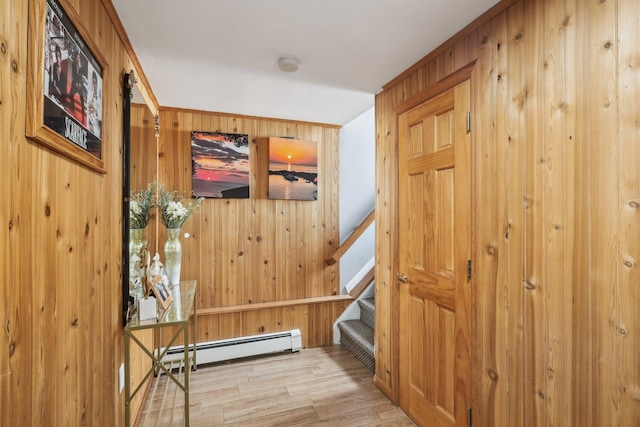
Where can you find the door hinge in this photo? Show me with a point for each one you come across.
(468, 121)
(468, 269)
(468, 417)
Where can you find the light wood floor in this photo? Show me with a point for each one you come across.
(314, 387)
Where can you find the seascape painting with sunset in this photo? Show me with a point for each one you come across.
(293, 169)
(220, 164)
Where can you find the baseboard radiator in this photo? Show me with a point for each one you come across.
(236, 348)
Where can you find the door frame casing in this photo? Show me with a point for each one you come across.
(464, 73)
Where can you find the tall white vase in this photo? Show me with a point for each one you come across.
(173, 255)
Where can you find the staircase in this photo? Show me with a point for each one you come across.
(356, 335)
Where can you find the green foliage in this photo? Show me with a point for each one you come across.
(140, 207)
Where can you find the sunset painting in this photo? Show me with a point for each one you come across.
(220, 164)
(293, 169)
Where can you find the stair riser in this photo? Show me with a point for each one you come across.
(365, 356)
(367, 314)
(357, 335)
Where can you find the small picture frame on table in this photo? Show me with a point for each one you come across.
(161, 287)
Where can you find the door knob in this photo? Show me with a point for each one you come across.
(403, 278)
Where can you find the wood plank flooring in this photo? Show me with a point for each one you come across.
(322, 386)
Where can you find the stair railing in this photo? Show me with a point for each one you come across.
(353, 237)
(363, 284)
(362, 279)
(346, 245)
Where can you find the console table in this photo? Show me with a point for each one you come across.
(180, 314)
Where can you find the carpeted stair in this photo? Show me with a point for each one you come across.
(357, 335)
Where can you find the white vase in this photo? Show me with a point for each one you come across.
(173, 255)
(136, 240)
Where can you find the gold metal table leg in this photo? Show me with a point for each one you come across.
(187, 370)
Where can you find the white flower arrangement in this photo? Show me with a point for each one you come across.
(140, 207)
(173, 213)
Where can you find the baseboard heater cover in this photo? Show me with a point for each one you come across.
(236, 348)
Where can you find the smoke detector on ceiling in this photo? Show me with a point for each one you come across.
(288, 64)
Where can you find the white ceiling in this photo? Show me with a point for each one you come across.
(221, 55)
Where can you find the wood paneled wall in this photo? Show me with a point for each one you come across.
(60, 249)
(143, 148)
(144, 145)
(556, 211)
(253, 251)
(143, 167)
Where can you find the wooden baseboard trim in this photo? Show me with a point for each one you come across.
(385, 389)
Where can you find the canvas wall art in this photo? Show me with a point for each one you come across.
(220, 164)
(293, 169)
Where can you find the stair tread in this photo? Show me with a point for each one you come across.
(357, 337)
(367, 302)
(358, 329)
(367, 311)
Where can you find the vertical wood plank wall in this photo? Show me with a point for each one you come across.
(256, 250)
(557, 216)
(60, 245)
(144, 144)
(556, 211)
(143, 160)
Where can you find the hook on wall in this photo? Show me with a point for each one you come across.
(131, 82)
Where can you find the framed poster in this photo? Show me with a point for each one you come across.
(293, 169)
(65, 85)
(220, 165)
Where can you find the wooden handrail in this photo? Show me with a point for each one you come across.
(273, 304)
(363, 284)
(344, 247)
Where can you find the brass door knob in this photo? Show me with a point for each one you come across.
(403, 278)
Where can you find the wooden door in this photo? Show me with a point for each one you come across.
(435, 240)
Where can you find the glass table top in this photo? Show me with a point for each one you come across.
(177, 313)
